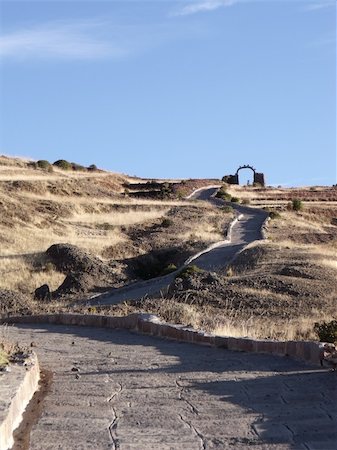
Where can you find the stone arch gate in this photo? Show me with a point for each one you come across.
(258, 177)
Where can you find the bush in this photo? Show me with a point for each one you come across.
(166, 223)
(77, 167)
(296, 204)
(43, 164)
(189, 270)
(226, 209)
(223, 194)
(92, 167)
(326, 331)
(169, 269)
(245, 201)
(235, 200)
(274, 215)
(63, 164)
(105, 226)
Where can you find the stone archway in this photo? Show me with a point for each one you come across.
(258, 178)
(245, 166)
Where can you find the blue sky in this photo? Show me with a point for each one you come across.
(172, 88)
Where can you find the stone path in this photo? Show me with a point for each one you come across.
(116, 390)
(246, 230)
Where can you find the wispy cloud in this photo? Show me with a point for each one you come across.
(317, 5)
(203, 6)
(78, 40)
(90, 40)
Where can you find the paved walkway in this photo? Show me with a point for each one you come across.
(246, 230)
(116, 390)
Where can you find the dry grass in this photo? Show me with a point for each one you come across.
(119, 218)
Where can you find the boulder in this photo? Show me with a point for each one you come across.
(42, 293)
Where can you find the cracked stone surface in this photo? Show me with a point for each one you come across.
(134, 392)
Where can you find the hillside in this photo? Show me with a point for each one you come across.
(107, 230)
(101, 214)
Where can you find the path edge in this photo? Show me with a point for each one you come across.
(20, 399)
(306, 351)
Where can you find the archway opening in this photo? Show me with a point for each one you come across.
(246, 177)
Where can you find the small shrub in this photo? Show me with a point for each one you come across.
(226, 209)
(3, 359)
(296, 204)
(235, 200)
(92, 310)
(105, 226)
(189, 270)
(92, 167)
(274, 215)
(326, 331)
(49, 267)
(63, 164)
(165, 191)
(245, 201)
(166, 223)
(43, 164)
(169, 269)
(78, 167)
(223, 194)
(229, 272)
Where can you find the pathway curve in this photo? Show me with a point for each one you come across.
(244, 231)
(116, 390)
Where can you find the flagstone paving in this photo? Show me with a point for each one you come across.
(113, 389)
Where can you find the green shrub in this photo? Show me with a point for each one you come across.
(169, 269)
(63, 164)
(92, 167)
(296, 204)
(105, 226)
(43, 164)
(274, 215)
(189, 270)
(4, 361)
(78, 167)
(223, 194)
(326, 331)
(166, 223)
(227, 209)
(165, 191)
(235, 200)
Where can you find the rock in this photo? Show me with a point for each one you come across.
(84, 272)
(42, 293)
(68, 258)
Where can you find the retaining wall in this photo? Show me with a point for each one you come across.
(308, 351)
(18, 389)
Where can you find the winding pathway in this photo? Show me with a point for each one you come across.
(246, 230)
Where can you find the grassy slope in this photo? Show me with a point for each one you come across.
(275, 289)
(90, 210)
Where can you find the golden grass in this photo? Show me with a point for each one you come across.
(300, 328)
(110, 201)
(119, 218)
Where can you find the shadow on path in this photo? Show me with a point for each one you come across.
(283, 401)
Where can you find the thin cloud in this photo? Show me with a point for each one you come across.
(203, 6)
(317, 5)
(90, 40)
(59, 40)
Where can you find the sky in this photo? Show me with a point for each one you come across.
(173, 89)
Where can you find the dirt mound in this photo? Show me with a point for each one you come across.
(84, 271)
(12, 303)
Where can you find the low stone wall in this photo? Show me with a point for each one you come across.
(308, 351)
(15, 393)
